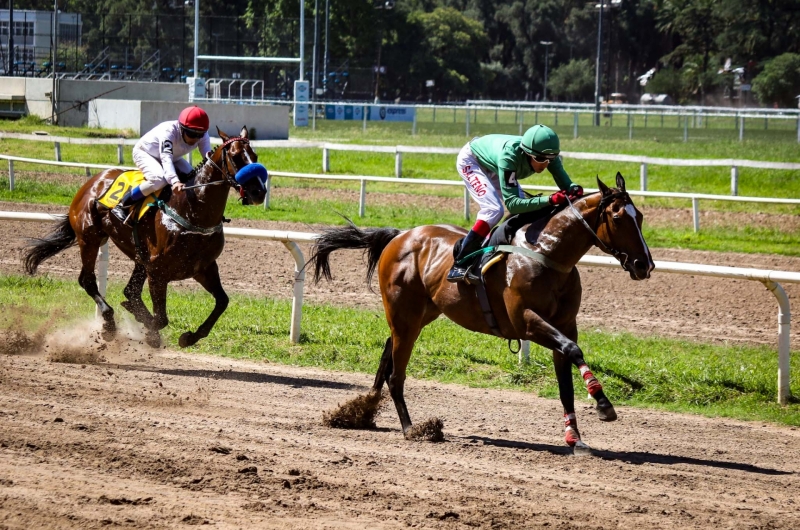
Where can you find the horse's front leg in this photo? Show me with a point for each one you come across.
(88, 280)
(158, 294)
(565, 352)
(209, 279)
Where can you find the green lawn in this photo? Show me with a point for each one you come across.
(404, 214)
(716, 380)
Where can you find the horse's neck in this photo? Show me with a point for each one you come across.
(205, 205)
(563, 238)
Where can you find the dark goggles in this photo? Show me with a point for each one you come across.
(190, 133)
(544, 158)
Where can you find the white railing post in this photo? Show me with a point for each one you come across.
(696, 214)
(524, 351)
(314, 116)
(784, 343)
(741, 128)
(798, 129)
(364, 120)
(120, 152)
(575, 127)
(11, 175)
(643, 176)
(268, 186)
(414, 124)
(467, 114)
(734, 180)
(466, 204)
(685, 129)
(362, 199)
(326, 160)
(57, 146)
(521, 120)
(297, 290)
(398, 164)
(102, 274)
(630, 126)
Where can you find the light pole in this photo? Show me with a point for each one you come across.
(546, 44)
(597, 66)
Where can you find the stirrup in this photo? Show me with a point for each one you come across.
(462, 274)
(121, 212)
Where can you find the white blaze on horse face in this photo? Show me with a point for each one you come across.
(631, 210)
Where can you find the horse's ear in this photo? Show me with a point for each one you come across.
(222, 134)
(243, 132)
(602, 187)
(620, 181)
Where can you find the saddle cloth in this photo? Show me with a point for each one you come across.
(123, 184)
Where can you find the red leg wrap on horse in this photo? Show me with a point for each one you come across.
(571, 434)
(592, 384)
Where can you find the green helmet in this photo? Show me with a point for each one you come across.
(540, 140)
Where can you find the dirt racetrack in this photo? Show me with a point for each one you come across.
(157, 439)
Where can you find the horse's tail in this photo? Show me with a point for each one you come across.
(372, 240)
(40, 249)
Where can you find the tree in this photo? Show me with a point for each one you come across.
(573, 81)
(779, 82)
(451, 50)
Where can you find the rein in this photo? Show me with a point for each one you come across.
(621, 257)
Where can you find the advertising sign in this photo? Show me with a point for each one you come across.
(344, 112)
(301, 91)
(391, 113)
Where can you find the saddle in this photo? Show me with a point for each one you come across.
(124, 183)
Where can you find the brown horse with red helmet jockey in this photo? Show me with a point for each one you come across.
(182, 239)
(534, 292)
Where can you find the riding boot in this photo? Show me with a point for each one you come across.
(463, 271)
(123, 210)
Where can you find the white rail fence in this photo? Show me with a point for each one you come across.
(363, 179)
(769, 278)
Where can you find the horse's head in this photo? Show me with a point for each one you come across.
(237, 160)
(619, 228)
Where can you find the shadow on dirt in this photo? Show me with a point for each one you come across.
(245, 377)
(635, 458)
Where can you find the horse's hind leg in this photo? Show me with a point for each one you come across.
(88, 280)
(133, 293)
(209, 279)
(384, 368)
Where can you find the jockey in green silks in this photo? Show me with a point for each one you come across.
(491, 167)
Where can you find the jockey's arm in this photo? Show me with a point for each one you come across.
(510, 190)
(167, 163)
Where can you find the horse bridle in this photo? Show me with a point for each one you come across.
(621, 257)
(227, 163)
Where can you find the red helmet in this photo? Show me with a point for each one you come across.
(194, 118)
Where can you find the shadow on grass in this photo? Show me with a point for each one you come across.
(246, 377)
(632, 457)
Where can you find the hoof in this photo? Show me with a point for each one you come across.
(188, 339)
(581, 449)
(109, 330)
(606, 413)
(137, 311)
(153, 339)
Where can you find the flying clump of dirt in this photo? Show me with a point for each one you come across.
(358, 413)
(16, 340)
(429, 430)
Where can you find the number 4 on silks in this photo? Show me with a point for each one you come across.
(512, 179)
(120, 192)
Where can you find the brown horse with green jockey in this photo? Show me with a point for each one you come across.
(533, 289)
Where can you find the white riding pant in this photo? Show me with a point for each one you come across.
(153, 172)
(483, 186)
